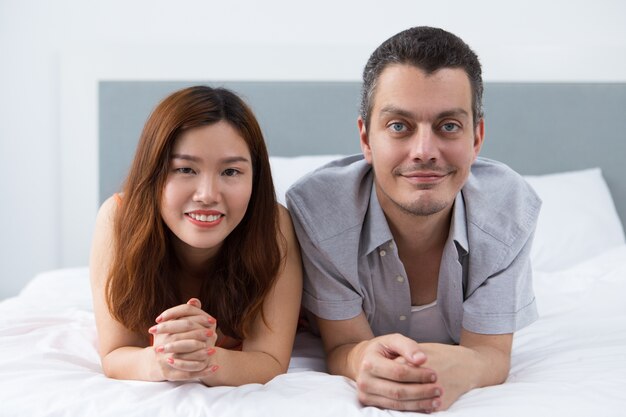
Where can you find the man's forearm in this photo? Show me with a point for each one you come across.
(460, 369)
(486, 366)
(343, 359)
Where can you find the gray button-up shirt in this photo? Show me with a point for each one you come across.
(352, 264)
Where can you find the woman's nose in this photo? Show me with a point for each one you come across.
(207, 190)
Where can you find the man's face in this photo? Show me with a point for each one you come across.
(421, 139)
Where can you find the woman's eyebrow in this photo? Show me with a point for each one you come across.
(186, 157)
(233, 159)
(226, 160)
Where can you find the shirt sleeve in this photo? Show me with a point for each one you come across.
(505, 301)
(327, 292)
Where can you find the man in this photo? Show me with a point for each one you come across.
(417, 253)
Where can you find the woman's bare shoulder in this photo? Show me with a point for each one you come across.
(284, 222)
(102, 244)
(108, 209)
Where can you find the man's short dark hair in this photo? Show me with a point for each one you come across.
(428, 49)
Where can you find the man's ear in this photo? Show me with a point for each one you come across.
(365, 143)
(479, 137)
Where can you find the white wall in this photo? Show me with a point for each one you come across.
(52, 53)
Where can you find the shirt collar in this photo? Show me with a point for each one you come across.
(458, 226)
(376, 230)
(375, 227)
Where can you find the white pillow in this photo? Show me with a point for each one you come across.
(287, 170)
(58, 289)
(578, 219)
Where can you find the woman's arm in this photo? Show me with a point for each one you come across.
(267, 350)
(124, 354)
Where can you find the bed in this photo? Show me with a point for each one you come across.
(571, 362)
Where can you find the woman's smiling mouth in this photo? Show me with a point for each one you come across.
(205, 218)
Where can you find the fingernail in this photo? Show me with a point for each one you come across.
(437, 393)
(436, 403)
(159, 319)
(214, 368)
(211, 320)
(209, 333)
(210, 351)
(433, 378)
(160, 349)
(418, 356)
(170, 361)
(152, 330)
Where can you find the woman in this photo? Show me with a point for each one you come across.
(195, 269)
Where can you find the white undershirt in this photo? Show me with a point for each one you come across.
(428, 325)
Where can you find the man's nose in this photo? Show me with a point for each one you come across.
(424, 145)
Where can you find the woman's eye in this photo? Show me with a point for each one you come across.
(230, 172)
(185, 170)
(397, 127)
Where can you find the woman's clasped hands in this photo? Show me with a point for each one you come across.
(184, 343)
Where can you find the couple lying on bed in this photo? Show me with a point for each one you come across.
(417, 272)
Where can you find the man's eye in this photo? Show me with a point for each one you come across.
(230, 172)
(450, 127)
(397, 127)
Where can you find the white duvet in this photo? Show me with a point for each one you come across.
(571, 362)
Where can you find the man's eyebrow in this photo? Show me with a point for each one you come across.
(397, 111)
(454, 112)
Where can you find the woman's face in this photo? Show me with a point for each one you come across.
(208, 187)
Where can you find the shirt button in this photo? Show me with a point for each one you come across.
(402, 318)
(400, 278)
(382, 252)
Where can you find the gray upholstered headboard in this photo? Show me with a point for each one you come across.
(535, 128)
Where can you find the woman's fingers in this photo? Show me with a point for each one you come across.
(184, 325)
(186, 359)
(191, 309)
(204, 356)
(195, 302)
(189, 361)
(181, 370)
(182, 346)
(208, 336)
(192, 366)
(184, 342)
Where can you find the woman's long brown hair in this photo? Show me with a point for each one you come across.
(144, 276)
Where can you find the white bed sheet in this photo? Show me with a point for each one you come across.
(571, 362)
